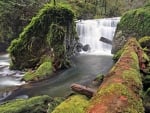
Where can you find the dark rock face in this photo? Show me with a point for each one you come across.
(118, 41)
(79, 47)
(134, 23)
(86, 47)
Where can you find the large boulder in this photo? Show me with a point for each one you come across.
(86, 47)
(46, 33)
(134, 23)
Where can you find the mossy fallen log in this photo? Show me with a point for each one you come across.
(121, 89)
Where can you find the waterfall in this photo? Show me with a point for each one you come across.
(90, 31)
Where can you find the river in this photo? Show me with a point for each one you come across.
(84, 70)
(98, 60)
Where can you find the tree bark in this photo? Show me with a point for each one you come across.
(89, 92)
(120, 90)
(105, 40)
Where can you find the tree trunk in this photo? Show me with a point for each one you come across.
(121, 89)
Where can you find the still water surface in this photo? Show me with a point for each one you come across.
(84, 70)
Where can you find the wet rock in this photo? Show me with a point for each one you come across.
(86, 47)
(98, 80)
(79, 47)
(132, 24)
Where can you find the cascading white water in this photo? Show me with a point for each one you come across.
(90, 31)
(8, 78)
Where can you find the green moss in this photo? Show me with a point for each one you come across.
(135, 63)
(44, 70)
(144, 39)
(144, 42)
(54, 103)
(33, 105)
(45, 58)
(133, 78)
(99, 78)
(121, 90)
(136, 22)
(122, 84)
(32, 43)
(74, 104)
(113, 88)
(117, 55)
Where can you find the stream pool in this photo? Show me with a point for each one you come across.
(84, 70)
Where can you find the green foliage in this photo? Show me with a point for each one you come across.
(74, 104)
(14, 15)
(44, 70)
(36, 37)
(144, 42)
(81, 9)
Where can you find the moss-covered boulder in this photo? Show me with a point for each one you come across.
(39, 104)
(74, 104)
(44, 70)
(52, 23)
(134, 23)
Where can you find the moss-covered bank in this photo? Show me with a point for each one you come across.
(134, 23)
(121, 89)
(38, 104)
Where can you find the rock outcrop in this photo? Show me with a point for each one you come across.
(134, 23)
(51, 32)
